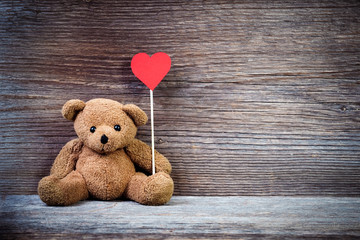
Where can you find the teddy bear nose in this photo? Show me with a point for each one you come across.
(104, 139)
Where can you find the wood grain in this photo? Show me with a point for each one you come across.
(262, 97)
(24, 217)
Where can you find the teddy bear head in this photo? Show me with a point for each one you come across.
(104, 125)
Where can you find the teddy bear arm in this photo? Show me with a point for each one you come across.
(140, 154)
(66, 159)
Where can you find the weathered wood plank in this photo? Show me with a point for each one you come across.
(184, 217)
(262, 98)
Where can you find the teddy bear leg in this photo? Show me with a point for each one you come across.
(66, 191)
(156, 189)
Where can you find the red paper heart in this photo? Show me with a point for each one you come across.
(151, 70)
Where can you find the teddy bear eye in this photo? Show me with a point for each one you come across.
(117, 127)
(92, 129)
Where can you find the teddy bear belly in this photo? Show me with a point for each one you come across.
(106, 179)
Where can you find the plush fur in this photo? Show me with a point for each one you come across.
(101, 161)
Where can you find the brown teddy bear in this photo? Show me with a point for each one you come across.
(100, 162)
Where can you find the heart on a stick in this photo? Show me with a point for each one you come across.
(151, 70)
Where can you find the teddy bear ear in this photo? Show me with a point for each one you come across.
(138, 115)
(71, 108)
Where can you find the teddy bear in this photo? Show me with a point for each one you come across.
(106, 161)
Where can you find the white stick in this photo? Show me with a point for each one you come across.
(152, 132)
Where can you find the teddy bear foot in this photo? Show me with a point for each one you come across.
(62, 192)
(156, 189)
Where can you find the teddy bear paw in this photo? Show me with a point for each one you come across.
(50, 191)
(158, 189)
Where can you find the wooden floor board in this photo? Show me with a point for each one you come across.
(184, 217)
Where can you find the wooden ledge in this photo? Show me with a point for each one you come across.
(183, 217)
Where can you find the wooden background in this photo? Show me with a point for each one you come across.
(263, 97)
